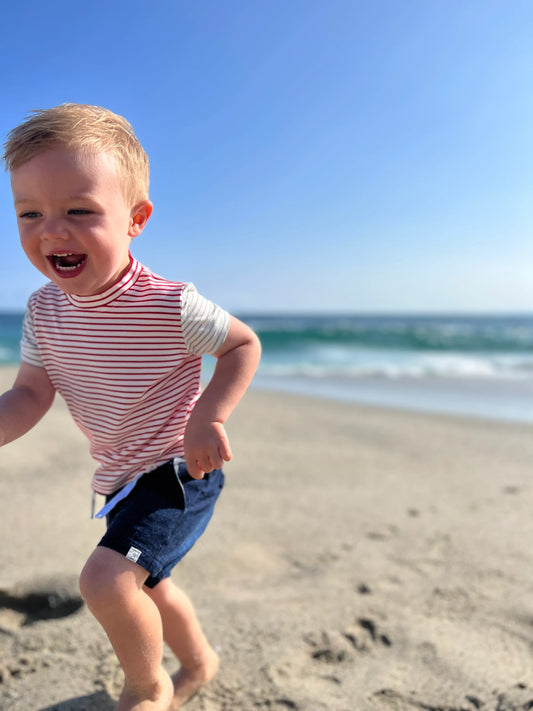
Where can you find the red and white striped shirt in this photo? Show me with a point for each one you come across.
(127, 363)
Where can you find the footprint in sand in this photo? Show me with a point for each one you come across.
(517, 698)
(366, 635)
(337, 647)
(394, 701)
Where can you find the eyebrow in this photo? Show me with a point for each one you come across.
(73, 198)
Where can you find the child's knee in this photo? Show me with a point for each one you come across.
(94, 580)
(109, 579)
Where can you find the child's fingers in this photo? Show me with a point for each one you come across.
(211, 455)
(225, 450)
(194, 468)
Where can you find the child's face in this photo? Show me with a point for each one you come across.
(73, 220)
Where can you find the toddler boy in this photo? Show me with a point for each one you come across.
(123, 347)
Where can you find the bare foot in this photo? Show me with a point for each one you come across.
(188, 681)
(158, 699)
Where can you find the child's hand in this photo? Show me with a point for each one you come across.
(206, 447)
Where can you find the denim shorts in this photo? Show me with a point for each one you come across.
(160, 520)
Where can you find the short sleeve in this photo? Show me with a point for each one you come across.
(29, 349)
(204, 324)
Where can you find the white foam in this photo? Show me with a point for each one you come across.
(402, 365)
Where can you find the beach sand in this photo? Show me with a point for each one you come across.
(359, 560)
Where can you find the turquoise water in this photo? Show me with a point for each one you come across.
(478, 365)
(10, 330)
(394, 346)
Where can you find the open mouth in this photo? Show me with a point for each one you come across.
(67, 264)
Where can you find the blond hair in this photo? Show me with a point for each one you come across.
(83, 127)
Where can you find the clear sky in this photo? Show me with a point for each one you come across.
(332, 155)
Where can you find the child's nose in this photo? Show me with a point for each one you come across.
(54, 227)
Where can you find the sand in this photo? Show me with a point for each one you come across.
(359, 560)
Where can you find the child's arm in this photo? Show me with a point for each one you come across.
(206, 444)
(28, 400)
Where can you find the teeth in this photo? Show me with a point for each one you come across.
(61, 260)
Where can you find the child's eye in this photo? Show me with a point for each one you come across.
(79, 211)
(29, 215)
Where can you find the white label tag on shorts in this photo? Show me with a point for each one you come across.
(133, 554)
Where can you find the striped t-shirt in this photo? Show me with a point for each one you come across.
(127, 363)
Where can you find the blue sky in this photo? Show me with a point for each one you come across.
(332, 155)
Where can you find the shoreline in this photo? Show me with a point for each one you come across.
(491, 400)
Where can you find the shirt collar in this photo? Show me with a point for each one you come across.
(112, 292)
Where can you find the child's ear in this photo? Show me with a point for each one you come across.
(140, 213)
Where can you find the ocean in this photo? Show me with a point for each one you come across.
(462, 365)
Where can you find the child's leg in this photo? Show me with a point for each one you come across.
(183, 634)
(112, 587)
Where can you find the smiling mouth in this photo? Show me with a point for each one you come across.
(67, 263)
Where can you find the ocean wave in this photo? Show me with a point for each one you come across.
(445, 334)
(454, 366)
(388, 347)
